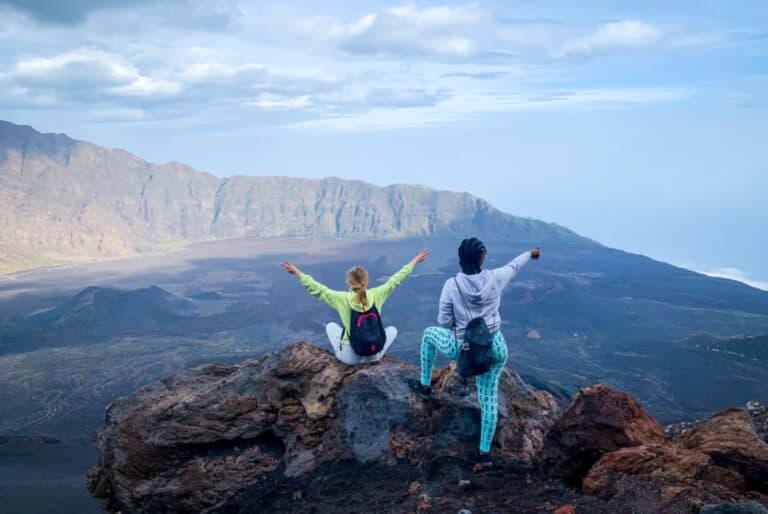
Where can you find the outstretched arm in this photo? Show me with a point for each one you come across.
(506, 273)
(313, 287)
(395, 280)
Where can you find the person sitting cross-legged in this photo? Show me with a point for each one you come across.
(361, 338)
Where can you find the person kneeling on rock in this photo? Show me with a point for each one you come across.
(362, 338)
(470, 327)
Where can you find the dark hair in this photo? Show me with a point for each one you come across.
(471, 255)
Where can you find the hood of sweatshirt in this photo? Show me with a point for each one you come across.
(477, 288)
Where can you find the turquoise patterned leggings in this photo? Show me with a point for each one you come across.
(438, 338)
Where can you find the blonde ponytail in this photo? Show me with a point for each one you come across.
(357, 279)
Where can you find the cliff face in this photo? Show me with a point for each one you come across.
(297, 430)
(61, 198)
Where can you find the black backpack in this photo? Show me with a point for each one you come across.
(366, 332)
(476, 353)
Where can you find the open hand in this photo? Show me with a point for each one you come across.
(535, 253)
(420, 257)
(290, 268)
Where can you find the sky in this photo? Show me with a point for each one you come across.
(643, 125)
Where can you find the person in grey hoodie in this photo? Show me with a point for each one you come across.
(481, 290)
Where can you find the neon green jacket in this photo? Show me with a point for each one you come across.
(344, 301)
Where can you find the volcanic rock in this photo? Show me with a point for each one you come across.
(712, 462)
(200, 439)
(597, 421)
(730, 439)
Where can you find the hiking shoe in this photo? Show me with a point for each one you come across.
(422, 391)
(484, 462)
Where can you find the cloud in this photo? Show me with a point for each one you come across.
(116, 115)
(620, 35)
(398, 98)
(66, 12)
(735, 274)
(527, 34)
(213, 15)
(272, 102)
(478, 75)
(361, 97)
(15, 97)
(409, 65)
(85, 75)
(77, 68)
(217, 85)
(444, 31)
(105, 82)
(147, 87)
(202, 72)
(466, 106)
(697, 40)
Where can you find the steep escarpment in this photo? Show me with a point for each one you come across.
(296, 430)
(61, 198)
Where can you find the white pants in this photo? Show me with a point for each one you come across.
(344, 351)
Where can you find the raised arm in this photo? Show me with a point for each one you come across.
(395, 280)
(322, 292)
(506, 273)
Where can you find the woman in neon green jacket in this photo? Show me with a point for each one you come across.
(358, 298)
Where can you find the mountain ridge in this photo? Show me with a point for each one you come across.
(62, 199)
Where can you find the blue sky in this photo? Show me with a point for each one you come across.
(640, 124)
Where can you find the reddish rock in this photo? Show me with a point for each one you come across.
(758, 414)
(732, 442)
(598, 421)
(676, 470)
(723, 460)
(662, 462)
(565, 509)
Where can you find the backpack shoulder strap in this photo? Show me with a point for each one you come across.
(464, 301)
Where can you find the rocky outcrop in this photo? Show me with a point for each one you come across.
(664, 462)
(757, 412)
(681, 475)
(608, 444)
(731, 440)
(200, 439)
(708, 462)
(296, 430)
(597, 421)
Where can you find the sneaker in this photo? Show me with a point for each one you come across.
(422, 391)
(484, 462)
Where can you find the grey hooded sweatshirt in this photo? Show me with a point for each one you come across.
(482, 294)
